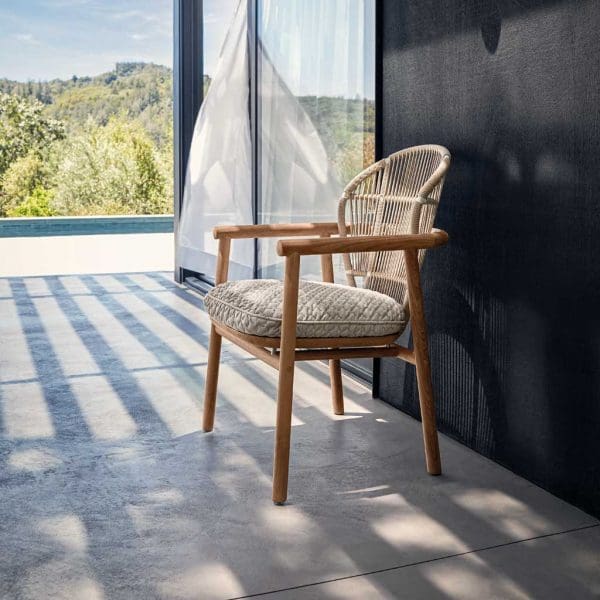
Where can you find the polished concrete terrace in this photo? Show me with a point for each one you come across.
(108, 488)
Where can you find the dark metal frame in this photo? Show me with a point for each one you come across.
(376, 377)
(254, 107)
(353, 367)
(188, 91)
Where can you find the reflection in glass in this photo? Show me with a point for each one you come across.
(316, 110)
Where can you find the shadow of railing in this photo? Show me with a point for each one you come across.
(155, 513)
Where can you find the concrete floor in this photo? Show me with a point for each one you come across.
(109, 490)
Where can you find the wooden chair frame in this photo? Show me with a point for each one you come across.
(288, 349)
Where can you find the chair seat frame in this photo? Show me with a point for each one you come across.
(282, 353)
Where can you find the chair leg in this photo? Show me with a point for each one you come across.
(212, 377)
(426, 402)
(281, 460)
(419, 331)
(337, 390)
(285, 389)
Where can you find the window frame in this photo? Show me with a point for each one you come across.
(188, 93)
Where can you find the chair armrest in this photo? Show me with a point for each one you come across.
(274, 230)
(368, 243)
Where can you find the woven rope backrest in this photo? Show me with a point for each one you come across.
(396, 195)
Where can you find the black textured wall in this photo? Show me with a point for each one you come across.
(513, 90)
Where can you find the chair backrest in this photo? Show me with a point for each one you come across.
(396, 195)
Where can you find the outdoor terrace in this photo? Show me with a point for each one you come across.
(110, 489)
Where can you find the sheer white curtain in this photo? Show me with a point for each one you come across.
(218, 184)
(312, 79)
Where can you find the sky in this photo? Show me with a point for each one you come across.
(46, 39)
(307, 40)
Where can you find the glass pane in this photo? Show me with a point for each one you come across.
(316, 110)
(217, 16)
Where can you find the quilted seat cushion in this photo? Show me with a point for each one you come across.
(325, 310)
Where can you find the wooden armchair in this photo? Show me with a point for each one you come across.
(384, 226)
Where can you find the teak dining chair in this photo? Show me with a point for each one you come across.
(384, 225)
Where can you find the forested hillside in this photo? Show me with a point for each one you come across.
(88, 145)
(138, 91)
(103, 145)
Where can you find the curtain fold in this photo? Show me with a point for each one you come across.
(218, 183)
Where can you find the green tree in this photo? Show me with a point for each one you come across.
(23, 176)
(26, 137)
(37, 204)
(24, 128)
(110, 170)
(149, 181)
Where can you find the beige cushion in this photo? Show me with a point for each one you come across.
(324, 309)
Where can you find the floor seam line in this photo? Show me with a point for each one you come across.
(416, 563)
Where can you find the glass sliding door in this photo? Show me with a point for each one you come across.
(315, 111)
(287, 121)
